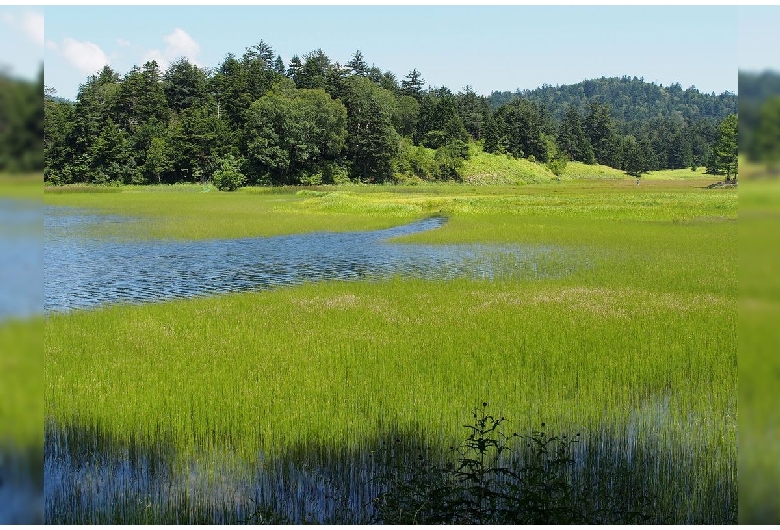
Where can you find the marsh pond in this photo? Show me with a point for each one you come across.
(84, 270)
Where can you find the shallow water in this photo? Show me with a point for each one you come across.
(83, 271)
(21, 259)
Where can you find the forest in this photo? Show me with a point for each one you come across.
(759, 121)
(21, 124)
(254, 120)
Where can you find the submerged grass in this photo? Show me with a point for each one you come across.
(639, 348)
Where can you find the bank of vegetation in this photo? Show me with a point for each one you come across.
(254, 120)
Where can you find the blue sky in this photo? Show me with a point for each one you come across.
(759, 38)
(21, 41)
(488, 48)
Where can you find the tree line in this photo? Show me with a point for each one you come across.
(256, 120)
(759, 120)
(21, 124)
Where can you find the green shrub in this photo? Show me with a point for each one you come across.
(228, 177)
(485, 486)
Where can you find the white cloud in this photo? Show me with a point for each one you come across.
(85, 56)
(155, 55)
(123, 43)
(32, 24)
(179, 44)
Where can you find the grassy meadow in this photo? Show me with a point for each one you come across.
(637, 350)
(759, 362)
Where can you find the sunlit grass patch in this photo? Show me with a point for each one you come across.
(579, 170)
(21, 370)
(21, 186)
(178, 214)
(190, 214)
(681, 174)
(288, 344)
(486, 168)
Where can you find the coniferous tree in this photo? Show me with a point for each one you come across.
(293, 70)
(413, 84)
(279, 66)
(517, 129)
(313, 73)
(357, 64)
(767, 132)
(635, 157)
(572, 139)
(600, 130)
(473, 111)
(185, 85)
(726, 151)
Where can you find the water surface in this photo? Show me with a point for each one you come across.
(21, 259)
(83, 270)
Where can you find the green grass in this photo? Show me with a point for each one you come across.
(187, 212)
(486, 168)
(21, 186)
(645, 338)
(493, 169)
(21, 369)
(759, 362)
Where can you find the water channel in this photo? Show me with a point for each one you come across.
(21, 259)
(84, 271)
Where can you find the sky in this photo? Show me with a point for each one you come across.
(21, 41)
(759, 38)
(488, 48)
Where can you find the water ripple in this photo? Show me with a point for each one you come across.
(84, 272)
(21, 259)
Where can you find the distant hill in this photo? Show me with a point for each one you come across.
(630, 99)
(755, 88)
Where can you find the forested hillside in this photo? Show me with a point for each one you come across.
(631, 99)
(678, 127)
(256, 120)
